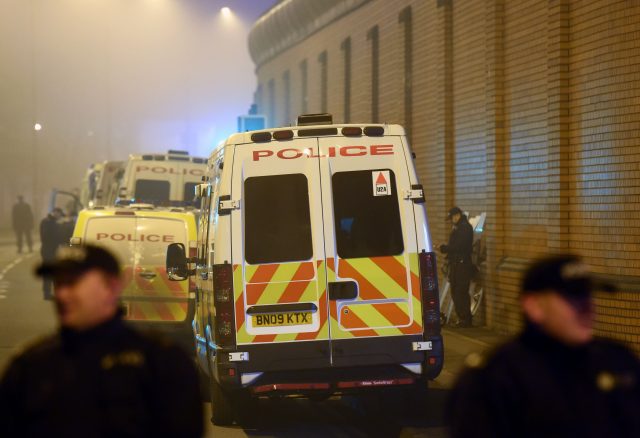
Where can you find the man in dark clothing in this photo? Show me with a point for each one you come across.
(461, 268)
(97, 377)
(22, 220)
(554, 379)
(50, 238)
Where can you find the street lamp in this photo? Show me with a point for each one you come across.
(226, 12)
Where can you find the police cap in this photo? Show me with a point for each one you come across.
(76, 260)
(564, 274)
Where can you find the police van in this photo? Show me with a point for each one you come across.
(108, 181)
(161, 179)
(139, 235)
(315, 272)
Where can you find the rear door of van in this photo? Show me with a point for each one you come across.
(278, 255)
(141, 244)
(151, 181)
(370, 239)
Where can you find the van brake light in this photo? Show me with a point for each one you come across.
(223, 297)
(429, 291)
(193, 255)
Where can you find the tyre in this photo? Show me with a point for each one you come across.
(222, 406)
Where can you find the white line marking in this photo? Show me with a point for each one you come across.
(12, 265)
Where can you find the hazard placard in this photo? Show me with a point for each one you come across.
(381, 183)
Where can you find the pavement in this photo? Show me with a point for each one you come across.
(24, 316)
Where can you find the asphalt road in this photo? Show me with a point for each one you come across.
(24, 316)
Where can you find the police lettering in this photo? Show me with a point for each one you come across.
(170, 170)
(121, 237)
(331, 152)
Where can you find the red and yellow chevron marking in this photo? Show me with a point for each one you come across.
(380, 279)
(279, 284)
(154, 290)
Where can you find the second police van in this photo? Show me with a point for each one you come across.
(139, 235)
(161, 179)
(315, 273)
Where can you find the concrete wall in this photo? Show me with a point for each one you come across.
(526, 109)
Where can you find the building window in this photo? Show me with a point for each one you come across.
(304, 71)
(346, 50)
(405, 19)
(272, 103)
(286, 83)
(373, 36)
(324, 78)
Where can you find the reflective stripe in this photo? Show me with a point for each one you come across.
(388, 303)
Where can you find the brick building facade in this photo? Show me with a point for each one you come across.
(526, 109)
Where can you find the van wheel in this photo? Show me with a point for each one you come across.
(221, 405)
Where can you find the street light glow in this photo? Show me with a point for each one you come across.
(37, 126)
(226, 12)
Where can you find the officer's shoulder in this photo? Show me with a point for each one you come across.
(612, 349)
(153, 340)
(493, 359)
(37, 347)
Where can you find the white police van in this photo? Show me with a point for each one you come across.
(161, 179)
(315, 273)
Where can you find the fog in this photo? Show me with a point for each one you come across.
(105, 78)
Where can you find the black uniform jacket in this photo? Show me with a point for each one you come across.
(460, 244)
(108, 382)
(535, 386)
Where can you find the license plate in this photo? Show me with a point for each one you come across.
(281, 319)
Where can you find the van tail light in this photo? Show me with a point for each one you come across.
(429, 291)
(193, 254)
(225, 322)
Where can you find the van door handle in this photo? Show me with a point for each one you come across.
(343, 290)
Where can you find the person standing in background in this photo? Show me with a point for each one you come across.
(458, 251)
(51, 238)
(22, 221)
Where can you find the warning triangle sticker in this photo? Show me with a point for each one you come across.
(381, 179)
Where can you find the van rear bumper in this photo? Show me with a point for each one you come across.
(287, 362)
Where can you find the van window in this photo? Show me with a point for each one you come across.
(277, 220)
(190, 193)
(152, 191)
(366, 225)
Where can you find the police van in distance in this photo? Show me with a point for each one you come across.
(108, 181)
(315, 272)
(139, 235)
(161, 179)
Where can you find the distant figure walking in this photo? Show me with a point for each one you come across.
(22, 220)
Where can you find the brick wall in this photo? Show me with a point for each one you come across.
(526, 109)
